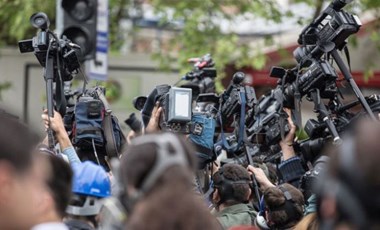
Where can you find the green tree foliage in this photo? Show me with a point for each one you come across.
(201, 33)
(14, 18)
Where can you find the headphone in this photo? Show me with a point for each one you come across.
(164, 160)
(225, 186)
(260, 218)
(288, 207)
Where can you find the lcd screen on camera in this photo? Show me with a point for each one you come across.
(179, 107)
(182, 104)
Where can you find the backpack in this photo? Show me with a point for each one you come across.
(94, 125)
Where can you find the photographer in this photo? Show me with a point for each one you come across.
(90, 186)
(157, 172)
(349, 196)
(55, 176)
(19, 186)
(231, 196)
(283, 207)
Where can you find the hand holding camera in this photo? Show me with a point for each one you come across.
(260, 176)
(153, 125)
(287, 143)
(56, 124)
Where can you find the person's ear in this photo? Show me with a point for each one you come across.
(249, 193)
(215, 196)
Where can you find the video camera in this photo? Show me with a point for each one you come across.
(176, 106)
(59, 59)
(236, 101)
(330, 30)
(46, 43)
(201, 78)
(269, 122)
(314, 77)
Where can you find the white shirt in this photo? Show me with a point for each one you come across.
(51, 226)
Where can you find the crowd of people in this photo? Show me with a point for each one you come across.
(153, 184)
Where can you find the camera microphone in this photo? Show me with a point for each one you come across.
(238, 78)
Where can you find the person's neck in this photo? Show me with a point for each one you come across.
(49, 217)
(224, 206)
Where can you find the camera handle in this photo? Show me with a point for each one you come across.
(321, 109)
(347, 75)
(49, 77)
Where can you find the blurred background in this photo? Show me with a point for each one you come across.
(149, 41)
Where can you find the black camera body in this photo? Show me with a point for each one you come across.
(231, 101)
(319, 75)
(332, 27)
(266, 128)
(46, 43)
(176, 106)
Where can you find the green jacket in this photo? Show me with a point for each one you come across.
(238, 214)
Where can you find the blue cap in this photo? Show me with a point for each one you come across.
(90, 180)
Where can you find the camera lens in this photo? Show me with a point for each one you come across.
(39, 21)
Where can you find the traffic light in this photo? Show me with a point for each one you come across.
(78, 23)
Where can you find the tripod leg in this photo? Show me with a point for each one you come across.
(347, 75)
(321, 109)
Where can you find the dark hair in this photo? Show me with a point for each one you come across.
(17, 142)
(276, 203)
(59, 182)
(171, 203)
(232, 193)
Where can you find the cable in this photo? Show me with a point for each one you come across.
(95, 153)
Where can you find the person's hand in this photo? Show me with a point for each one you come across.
(260, 176)
(56, 124)
(289, 138)
(287, 143)
(153, 125)
(132, 134)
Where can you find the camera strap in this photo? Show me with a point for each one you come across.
(112, 149)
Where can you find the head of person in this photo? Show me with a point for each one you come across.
(55, 176)
(283, 206)
(157, 172)
(18, 185)
(350, 196)
(231, 185)
(90, 185)
(148, 159)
